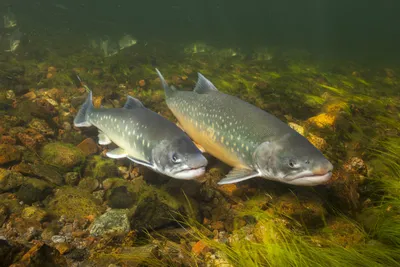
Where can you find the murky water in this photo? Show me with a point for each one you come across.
(328, 69)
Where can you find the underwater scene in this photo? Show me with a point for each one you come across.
(199, 133)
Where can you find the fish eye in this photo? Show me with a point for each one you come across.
(175, 158)
(307, 161)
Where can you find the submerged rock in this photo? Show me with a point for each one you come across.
(113, 222)
(34, 213)
(156, 208)
(63, 156)
(41, 255)
(121, 198)
(8, 153)
(73, 204)
(10, 180)
(88, 146)
(101, 168)
(41, 126)
(33, 190)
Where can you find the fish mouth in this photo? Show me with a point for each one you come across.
(190, 173)
(311, 179)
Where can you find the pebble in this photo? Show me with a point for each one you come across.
(58, 239)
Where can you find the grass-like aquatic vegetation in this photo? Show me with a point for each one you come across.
(388, 153)
(275, 240)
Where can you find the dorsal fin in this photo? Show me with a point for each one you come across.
(132, 103)
(204, 86)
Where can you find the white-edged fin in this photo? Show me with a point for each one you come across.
(204, 86)
(103, 139)
(238, 175)
(117, 153)
(168, 90)
(141, 162)
(82, 118)
(132, 103)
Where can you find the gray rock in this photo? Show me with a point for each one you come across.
(113, 222)
(58, 239)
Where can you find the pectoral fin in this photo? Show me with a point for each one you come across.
(238, 175)
(103, 139)
(117, 153)
(142, 162)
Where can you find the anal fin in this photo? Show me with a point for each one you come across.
(117, 153)
(238, 175)
(103, 139)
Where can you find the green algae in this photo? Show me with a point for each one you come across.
(73, 204)
(65, 157)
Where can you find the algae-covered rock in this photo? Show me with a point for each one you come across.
(307, 209)
(34, 213)
(101, 168)
(48, 173)
(10, 180)
(121, 198)
(8, 153)
(156, 208)
(73, 203)
(41, 126)
(89, 184)
(33, 190)
(113, 222)
(63, 156)
(71, 178)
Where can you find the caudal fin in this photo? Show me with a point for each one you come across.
(82, 118)
(168, 90)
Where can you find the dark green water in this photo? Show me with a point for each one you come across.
(365, 30)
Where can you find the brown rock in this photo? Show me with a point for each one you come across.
(199, 247)
(8, 153)
(30, 138)
(63, 248)
(30, 95)
(5, 139)
(88, 147)
(318, 142)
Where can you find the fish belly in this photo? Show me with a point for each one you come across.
(207, 139)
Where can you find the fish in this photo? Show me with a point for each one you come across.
(9, 20)
(126, 41)
(252, 141)
(144, 137)
(15, 40)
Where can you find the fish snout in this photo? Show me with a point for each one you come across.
(197, 161)
(323, 168)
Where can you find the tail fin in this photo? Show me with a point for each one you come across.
(81, 119)
(168, 90)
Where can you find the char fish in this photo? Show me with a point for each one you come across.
(252, 141)
(144, 137)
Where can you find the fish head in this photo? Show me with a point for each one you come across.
(292, 159)
(179, 158)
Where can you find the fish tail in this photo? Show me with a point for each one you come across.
(169, 91)
(82, 118)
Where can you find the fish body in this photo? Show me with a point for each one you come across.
(144, 137)
(254, 142)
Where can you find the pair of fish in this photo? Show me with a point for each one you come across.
(252, 141)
